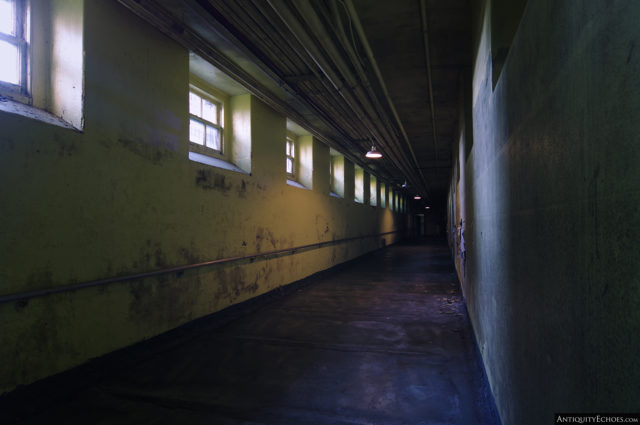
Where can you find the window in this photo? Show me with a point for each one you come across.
(206, 118)
(219, 118)
(291, 156)
(373, 190)
(14, 48)
(337, 174)
(42, 60)
(359, 184)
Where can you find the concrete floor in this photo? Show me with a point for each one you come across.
(382, 340)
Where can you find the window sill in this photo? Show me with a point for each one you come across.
(296, 184)
(335, 195)
(215, 162)
(27, 111)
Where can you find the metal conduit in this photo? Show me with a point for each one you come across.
(309, 14)
(374, 64)
(425, 35)
(363, 100)
(275, 68)
(316, 55)
(355, 59)
(355, 100)
(361, 73)
(393, 141)
(295, 47)
(367, 99)
(153, 12)
(220, 23)
(117, 279)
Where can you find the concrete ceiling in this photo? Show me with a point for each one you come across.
(353, 72)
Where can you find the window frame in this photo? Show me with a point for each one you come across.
(291, 154)
(21, 40)
(373, 190)
(358, 184)
(383, 202)
(221, 100)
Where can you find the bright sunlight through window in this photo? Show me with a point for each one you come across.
(291, 156)
(12, 42)
(205, 125)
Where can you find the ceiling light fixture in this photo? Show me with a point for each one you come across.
(417, 197)
(427, 208)
(373, 153)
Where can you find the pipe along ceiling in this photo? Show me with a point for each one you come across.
(313, 62)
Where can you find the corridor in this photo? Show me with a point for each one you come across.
(384, 339)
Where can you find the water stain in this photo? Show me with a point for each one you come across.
(208, 180)
(242, 189)
(151, 257)
(21, 304)
(189, 255)
(65, 147)
(322, 226)
(144, 150)
(40, 279)
(264, 235)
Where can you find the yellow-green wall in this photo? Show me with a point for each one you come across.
(121, 197)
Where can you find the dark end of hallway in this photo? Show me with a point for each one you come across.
(383, 339)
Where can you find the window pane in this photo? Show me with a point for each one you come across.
(7, 17)
(210, 111)
(213, 138)
(290, 149)
(195, 104)
(289, 165)
(10, 63)
(196, 132)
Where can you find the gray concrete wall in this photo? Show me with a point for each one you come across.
(121, 197)
(549, 197)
